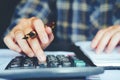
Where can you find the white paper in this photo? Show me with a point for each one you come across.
(107, 75)
(101, 59)
(110, 75)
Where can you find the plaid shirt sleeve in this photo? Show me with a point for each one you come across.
(30, 8)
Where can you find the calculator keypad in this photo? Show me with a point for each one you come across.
(23, 62)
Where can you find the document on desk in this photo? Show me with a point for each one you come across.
(101, 59)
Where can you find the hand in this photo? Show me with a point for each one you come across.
(31, 47)
(106, 39)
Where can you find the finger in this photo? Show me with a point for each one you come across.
(39, 27)
(103, 42)
(9, 41)
(35, 45)
(23, 43)
(48, 30)
(113, 42)
(105, 39)
(97, 38)
(50, 36)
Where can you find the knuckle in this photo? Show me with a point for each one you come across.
(108, 33)
(118, 27)
(23, 19)
(5, 38)
(18, 33)
(27, 30)
(25, 22)
(37, 19)
(100, 31)
(111, 27)
(33, 18)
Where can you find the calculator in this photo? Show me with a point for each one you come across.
(59, 65)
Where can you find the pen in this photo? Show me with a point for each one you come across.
(33, 34)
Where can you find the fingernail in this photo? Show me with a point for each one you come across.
(42, 59)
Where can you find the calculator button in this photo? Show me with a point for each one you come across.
(77, 62)
(53, 61)
(16, 62)
(66, 64)
(53, 64)
(28, 63)
(42, 65)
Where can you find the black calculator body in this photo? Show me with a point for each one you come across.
(72, 64)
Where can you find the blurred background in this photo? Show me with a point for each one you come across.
(7, 8)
